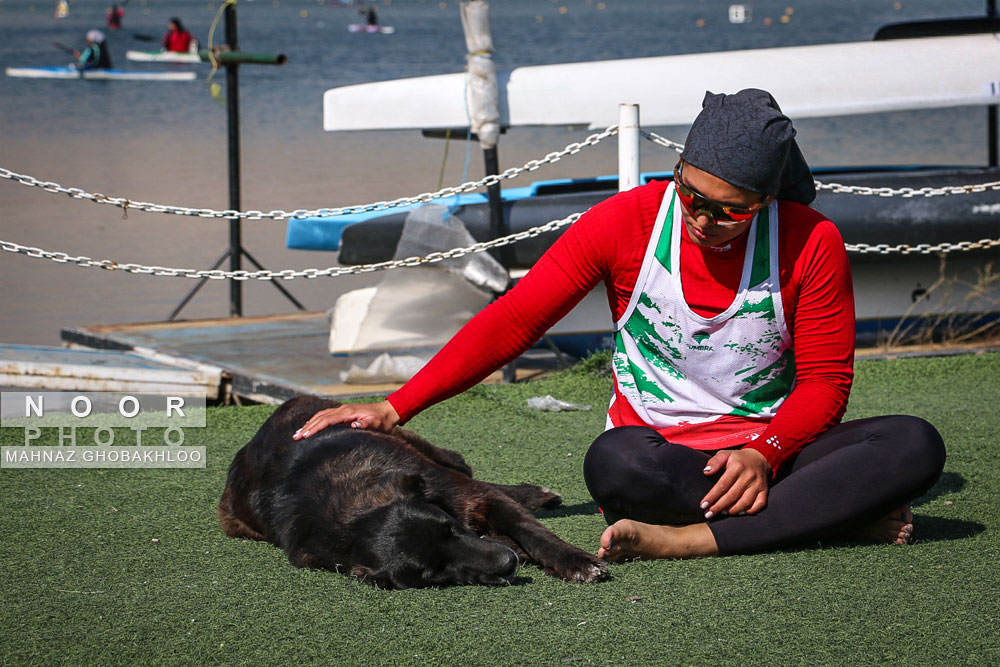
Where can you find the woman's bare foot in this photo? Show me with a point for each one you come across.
(627, 539)
(896, 527)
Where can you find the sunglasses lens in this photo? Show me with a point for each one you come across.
(695, 203)
(733, 216)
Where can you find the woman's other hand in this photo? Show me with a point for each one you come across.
(742, 487)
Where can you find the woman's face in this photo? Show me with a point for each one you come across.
(702, 229)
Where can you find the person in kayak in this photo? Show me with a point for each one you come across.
(177, 39)
(733, 362)
(96, 55)
(371, 15)
(114, 16)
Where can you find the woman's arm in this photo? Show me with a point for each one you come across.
(580, 259)
(569, 270)
(823, 330)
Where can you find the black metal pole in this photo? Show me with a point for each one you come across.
(994, 139)
(233, 123)
(993, 136)
(230, 60)
(497, 226)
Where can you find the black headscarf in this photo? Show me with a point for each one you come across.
(745, 140)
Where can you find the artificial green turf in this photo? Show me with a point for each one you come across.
(83, 580)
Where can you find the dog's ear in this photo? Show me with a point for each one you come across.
(386, 489)
(409, 483)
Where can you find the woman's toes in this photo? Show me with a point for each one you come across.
(896, 527)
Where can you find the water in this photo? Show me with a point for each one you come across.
(166, 142)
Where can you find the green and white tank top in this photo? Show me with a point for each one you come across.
(676, 367)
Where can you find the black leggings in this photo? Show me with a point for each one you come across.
(852, 474)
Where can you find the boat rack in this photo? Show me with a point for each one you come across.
(265, 359)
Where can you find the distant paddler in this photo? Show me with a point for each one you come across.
(114, 16)
(177, 39)
(371, 14)
(62, 9)
(96, 55)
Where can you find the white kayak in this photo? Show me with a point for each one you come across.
(162, 57)
(73, 73)
(375, 29)
(809, 81)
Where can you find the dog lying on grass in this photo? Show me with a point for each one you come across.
(393, 510)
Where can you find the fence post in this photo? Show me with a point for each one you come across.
(628, 146)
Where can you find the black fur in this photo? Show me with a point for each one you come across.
(391, 509)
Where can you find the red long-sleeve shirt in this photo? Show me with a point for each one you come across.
(608, 245)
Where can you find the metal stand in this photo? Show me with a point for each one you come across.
(498, 226)
(991, 110)
(231, 60)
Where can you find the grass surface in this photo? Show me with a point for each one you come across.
(129, 566)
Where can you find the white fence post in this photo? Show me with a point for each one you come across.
(628, 146)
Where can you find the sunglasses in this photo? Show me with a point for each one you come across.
(721, 214)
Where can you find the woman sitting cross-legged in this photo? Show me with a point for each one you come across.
(734, 327)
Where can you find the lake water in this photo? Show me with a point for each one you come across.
(166, 142)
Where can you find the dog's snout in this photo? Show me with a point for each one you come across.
(502, 570)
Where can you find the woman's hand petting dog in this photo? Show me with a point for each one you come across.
(379, 416)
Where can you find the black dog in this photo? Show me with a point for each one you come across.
(391, 509)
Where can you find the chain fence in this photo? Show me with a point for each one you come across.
(334, 271)
(532, 165)
(921, 248)
(230, 214)
(288, 274)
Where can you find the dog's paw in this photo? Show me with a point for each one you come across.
(548, 499)
(583, 568)
(534, 497)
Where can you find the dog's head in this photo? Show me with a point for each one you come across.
(414, 542)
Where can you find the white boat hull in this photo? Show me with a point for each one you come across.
(371, 29)
(96, 74)
(162, 57)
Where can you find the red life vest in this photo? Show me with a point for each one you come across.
(177, 41)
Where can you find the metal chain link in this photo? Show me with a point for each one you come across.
(864, 190)
(905, 193)
(288, 274)
(662, 141)
(334, 271)
(921, 248)
(493, 179)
